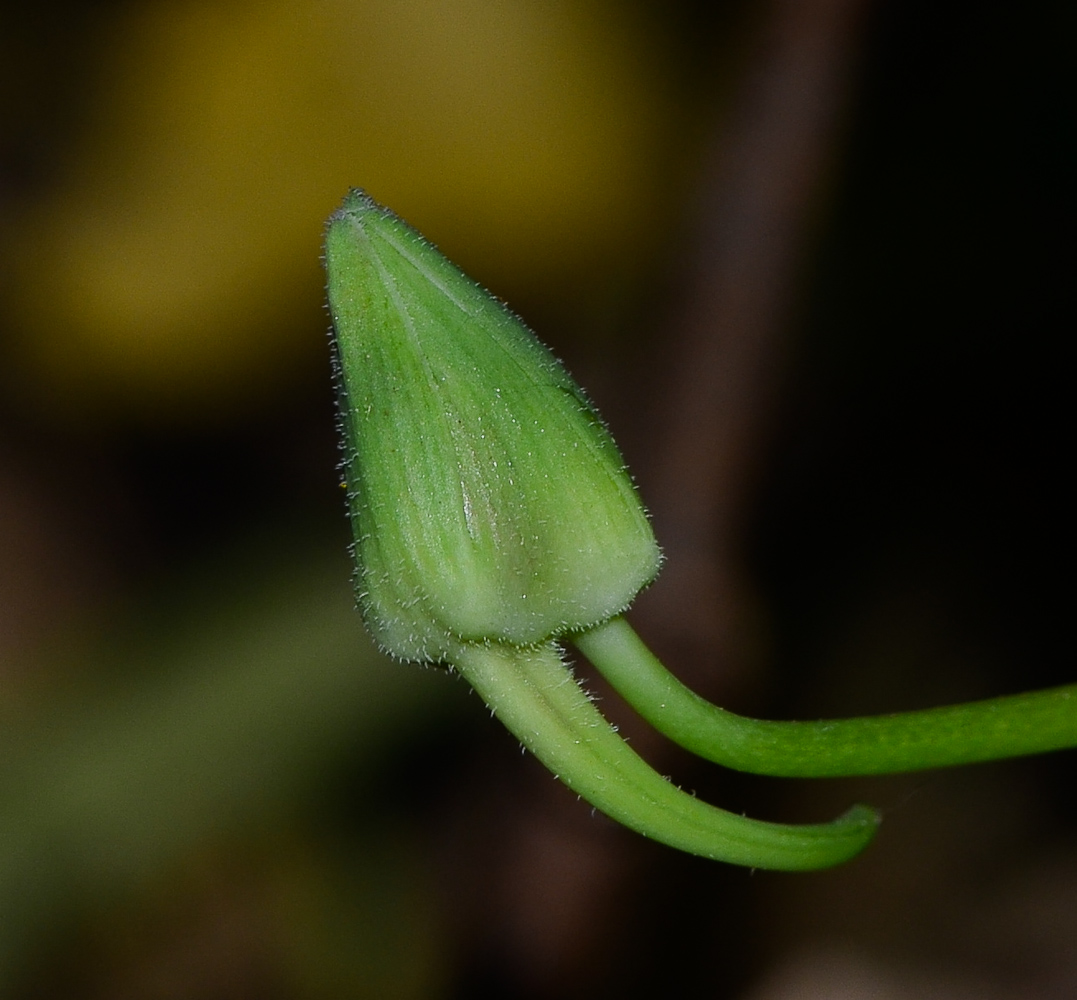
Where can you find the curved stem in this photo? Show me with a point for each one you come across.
(997, 728)
(535, 695)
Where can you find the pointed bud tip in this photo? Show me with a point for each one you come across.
(356, 204)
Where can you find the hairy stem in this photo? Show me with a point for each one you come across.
(537, 698)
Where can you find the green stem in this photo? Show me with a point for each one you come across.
(1011, 726)
(536, 697)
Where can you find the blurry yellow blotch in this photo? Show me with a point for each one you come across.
(179, 262)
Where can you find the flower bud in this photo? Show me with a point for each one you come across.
(488, 500)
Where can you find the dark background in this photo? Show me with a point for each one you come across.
(812, 261)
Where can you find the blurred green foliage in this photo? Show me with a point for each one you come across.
(221, 722)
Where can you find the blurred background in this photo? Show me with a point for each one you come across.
(813, 261)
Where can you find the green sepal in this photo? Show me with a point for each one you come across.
(488, 500)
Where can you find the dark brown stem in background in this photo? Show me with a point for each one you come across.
(765, 173)
(723, 340)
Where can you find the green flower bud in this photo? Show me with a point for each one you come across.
(492, 514)
(488, 500)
